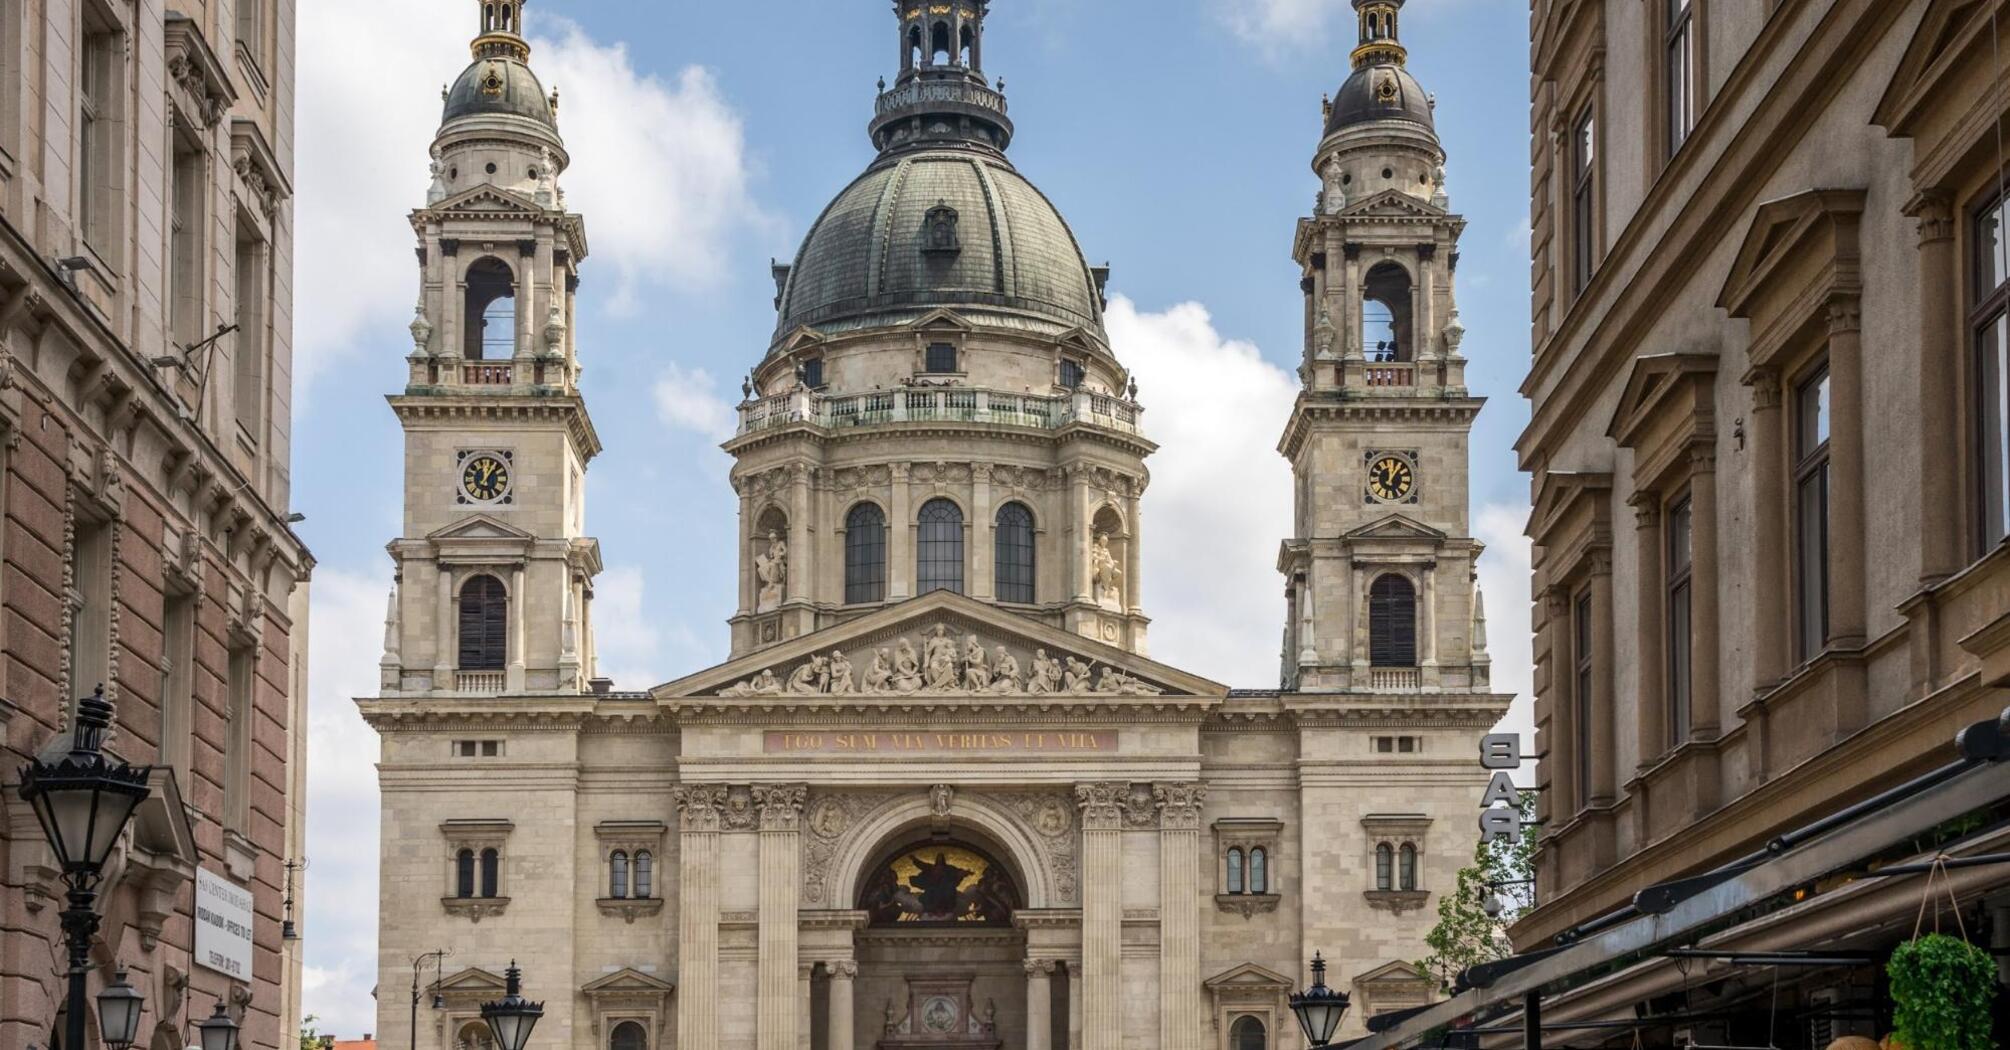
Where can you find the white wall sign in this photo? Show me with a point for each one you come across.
(222, 925)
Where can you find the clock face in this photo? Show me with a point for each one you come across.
(1391, 479)
(485, 478)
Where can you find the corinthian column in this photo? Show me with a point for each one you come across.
(781, 807)
(1179, 914)
(842, 971)
(1939, 360)
(698, 914)
(1039, 1004)
(1102, 913)
(1847, 625)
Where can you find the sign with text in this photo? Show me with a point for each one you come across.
(1500, 807)
(222, 925)
(936, 741)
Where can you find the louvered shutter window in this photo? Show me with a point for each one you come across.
(1392, 623)
(484, 624)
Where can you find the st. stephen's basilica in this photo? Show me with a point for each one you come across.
(939, 798)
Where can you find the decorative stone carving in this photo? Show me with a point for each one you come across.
(781, 805)
(422, 330)
(1102, 805)
(771, 568)
(1106, 574)
(940, 798)
(1140, 811)
(699, 807)
(739, 813)
(1179, 805)
(942, 666)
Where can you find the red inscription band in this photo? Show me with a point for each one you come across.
(883, 742)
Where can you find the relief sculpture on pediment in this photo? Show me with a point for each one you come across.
(941, 664)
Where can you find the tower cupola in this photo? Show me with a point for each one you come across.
(941, 96)
(1381, 43)
(502, 31)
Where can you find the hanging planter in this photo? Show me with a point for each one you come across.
(1942, 988)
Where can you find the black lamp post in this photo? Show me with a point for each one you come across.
(119, 1013)
(511, 1019)
(83, 801)
(439, 956)
(1319, 1008)
(218, 1031)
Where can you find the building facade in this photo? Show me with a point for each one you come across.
(938, 796)
(146, 238)
(1768, 451)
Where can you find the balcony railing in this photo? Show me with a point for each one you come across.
(488, 374)
(478, 681)
(940, 405)
(1395, 679)
(1391, 375)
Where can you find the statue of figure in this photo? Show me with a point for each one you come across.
(976, 666)
(906, 668)
(879, 677)
(811, 678)
(765, 684)
(1112, 681)
(1336, 190)
(771, 568)
(840, 676)
(941, 651)
(940, 798)
(1076, 679)
(437, 192)
(1046, 674)
(1106, 574)
(1005, 673)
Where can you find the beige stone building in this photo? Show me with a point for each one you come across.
(939, 796)
(1768, 451)
(146, 240)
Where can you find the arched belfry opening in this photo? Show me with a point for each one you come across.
(491, 311)
(1386, 330)
(940, 51)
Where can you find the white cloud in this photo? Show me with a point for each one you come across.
(626, 642)
(687, 399)
(1504, 576)
(663, 165)
(346, 631)
(1220, 498)
(1277, 26)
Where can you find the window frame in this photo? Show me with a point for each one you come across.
(865, 554)
(1680, 66)
(1015, 577)
(1408, 859)
(934, 355)
(1385, 867)
(939, 547)
(1811, 479)
(251, 344)
(1242, 1028)
(1584, 151)
(492, 654)
(1989, 320)
(1389, 654)
(101, 75)
(617, 875)
(1678, 616)
(1584, 663)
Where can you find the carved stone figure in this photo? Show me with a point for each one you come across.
(1106, 575)
(1005, 673)
(840, 674)
(811, 678)
(941, 649)
(763, 684)
(1046, 674)
(976, 666)
(879, 677)
(771, 568)
(1076, 679)
(906, 669)
(940, 798)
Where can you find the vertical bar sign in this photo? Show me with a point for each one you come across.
(1500, 807)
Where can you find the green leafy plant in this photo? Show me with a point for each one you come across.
(1942, 988)
(1465, 934)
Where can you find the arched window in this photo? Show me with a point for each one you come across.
(865, 554)
(474, 1035)
(969, 38)
(1385, 863)
(491, 312)
(1408, 866)
(1385, 315)
(628, 1036)
(484, 620)
(939, 552)
(464, 874)
(617, 876)
(1014, 545)
(1259, 875)
(491, 871)
(939, 49)
(645, 875)
(1392, 622)
(1235, 883)
(1247, 1034)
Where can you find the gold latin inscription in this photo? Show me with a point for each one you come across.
(848, 742)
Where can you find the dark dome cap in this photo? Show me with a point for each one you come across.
(1380, 92)
(499, 86)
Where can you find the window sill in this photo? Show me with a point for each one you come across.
(474, 909)
(1247, 905)
(629, 909)
(1397, 901)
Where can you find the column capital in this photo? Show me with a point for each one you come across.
(1646, 509)
(804, 971)
(1703, 458)
(1102, 804)
(1934, 210)
(1041, 969)
(1767, 392)
(781, 805)
(1845, 314)
(699, 807)
(841, 969)
(1179, 805)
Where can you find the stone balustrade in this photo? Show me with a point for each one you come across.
(940, 405)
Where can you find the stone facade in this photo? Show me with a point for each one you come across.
(939, 796)
(145, 166)
(1768, 562)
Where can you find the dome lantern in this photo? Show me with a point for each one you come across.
(941, 96)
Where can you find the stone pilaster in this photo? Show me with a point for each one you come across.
(801, 562)
(781, 807)
(842, 972)
(1603, 789)
(443, 629)
(1847, 604)
(513, 674)
(1651, 719)
(1940, 357)
(1180, 1021)
(1039, 1004)
(1102, 913)
(1770, 615)
(983, 534)
(698, 810)
(900, 539)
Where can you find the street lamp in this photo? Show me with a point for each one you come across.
(513, 1017)
(1319, 1008)
(439, 956)
(119, 1012)
(218, 1032)
(83, 802)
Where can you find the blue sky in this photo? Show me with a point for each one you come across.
(1176, 137)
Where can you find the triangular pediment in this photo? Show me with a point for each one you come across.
(803, 337)
(472, 979)
(1392, 973)
(1558, 490)
(942, 318)
(480, 527)
(487, 201)
(161, 823)
(626, 980)
(1816, 227)
(1396, 527)
(1249, 977)
(1660, 380)
(1391, 203)
(923, 648)
(1949, 28)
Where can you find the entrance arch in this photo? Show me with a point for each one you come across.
(915, 817)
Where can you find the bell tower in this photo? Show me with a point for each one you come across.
(495, 574)
(1380, 579)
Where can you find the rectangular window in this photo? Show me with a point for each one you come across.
(1581, 658)
(813, 373)
(1583, 199)
(99, 76)
(90, 601)
(187, 194)
(238, 740)
(1680, 668)
(1991, 326)
(1072, 374)
(941, 357)
(1679, 56)
(251, 28)
(11, 77)
(178, 682)
(1408, 744)
(1811, 515)
(250, 341)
